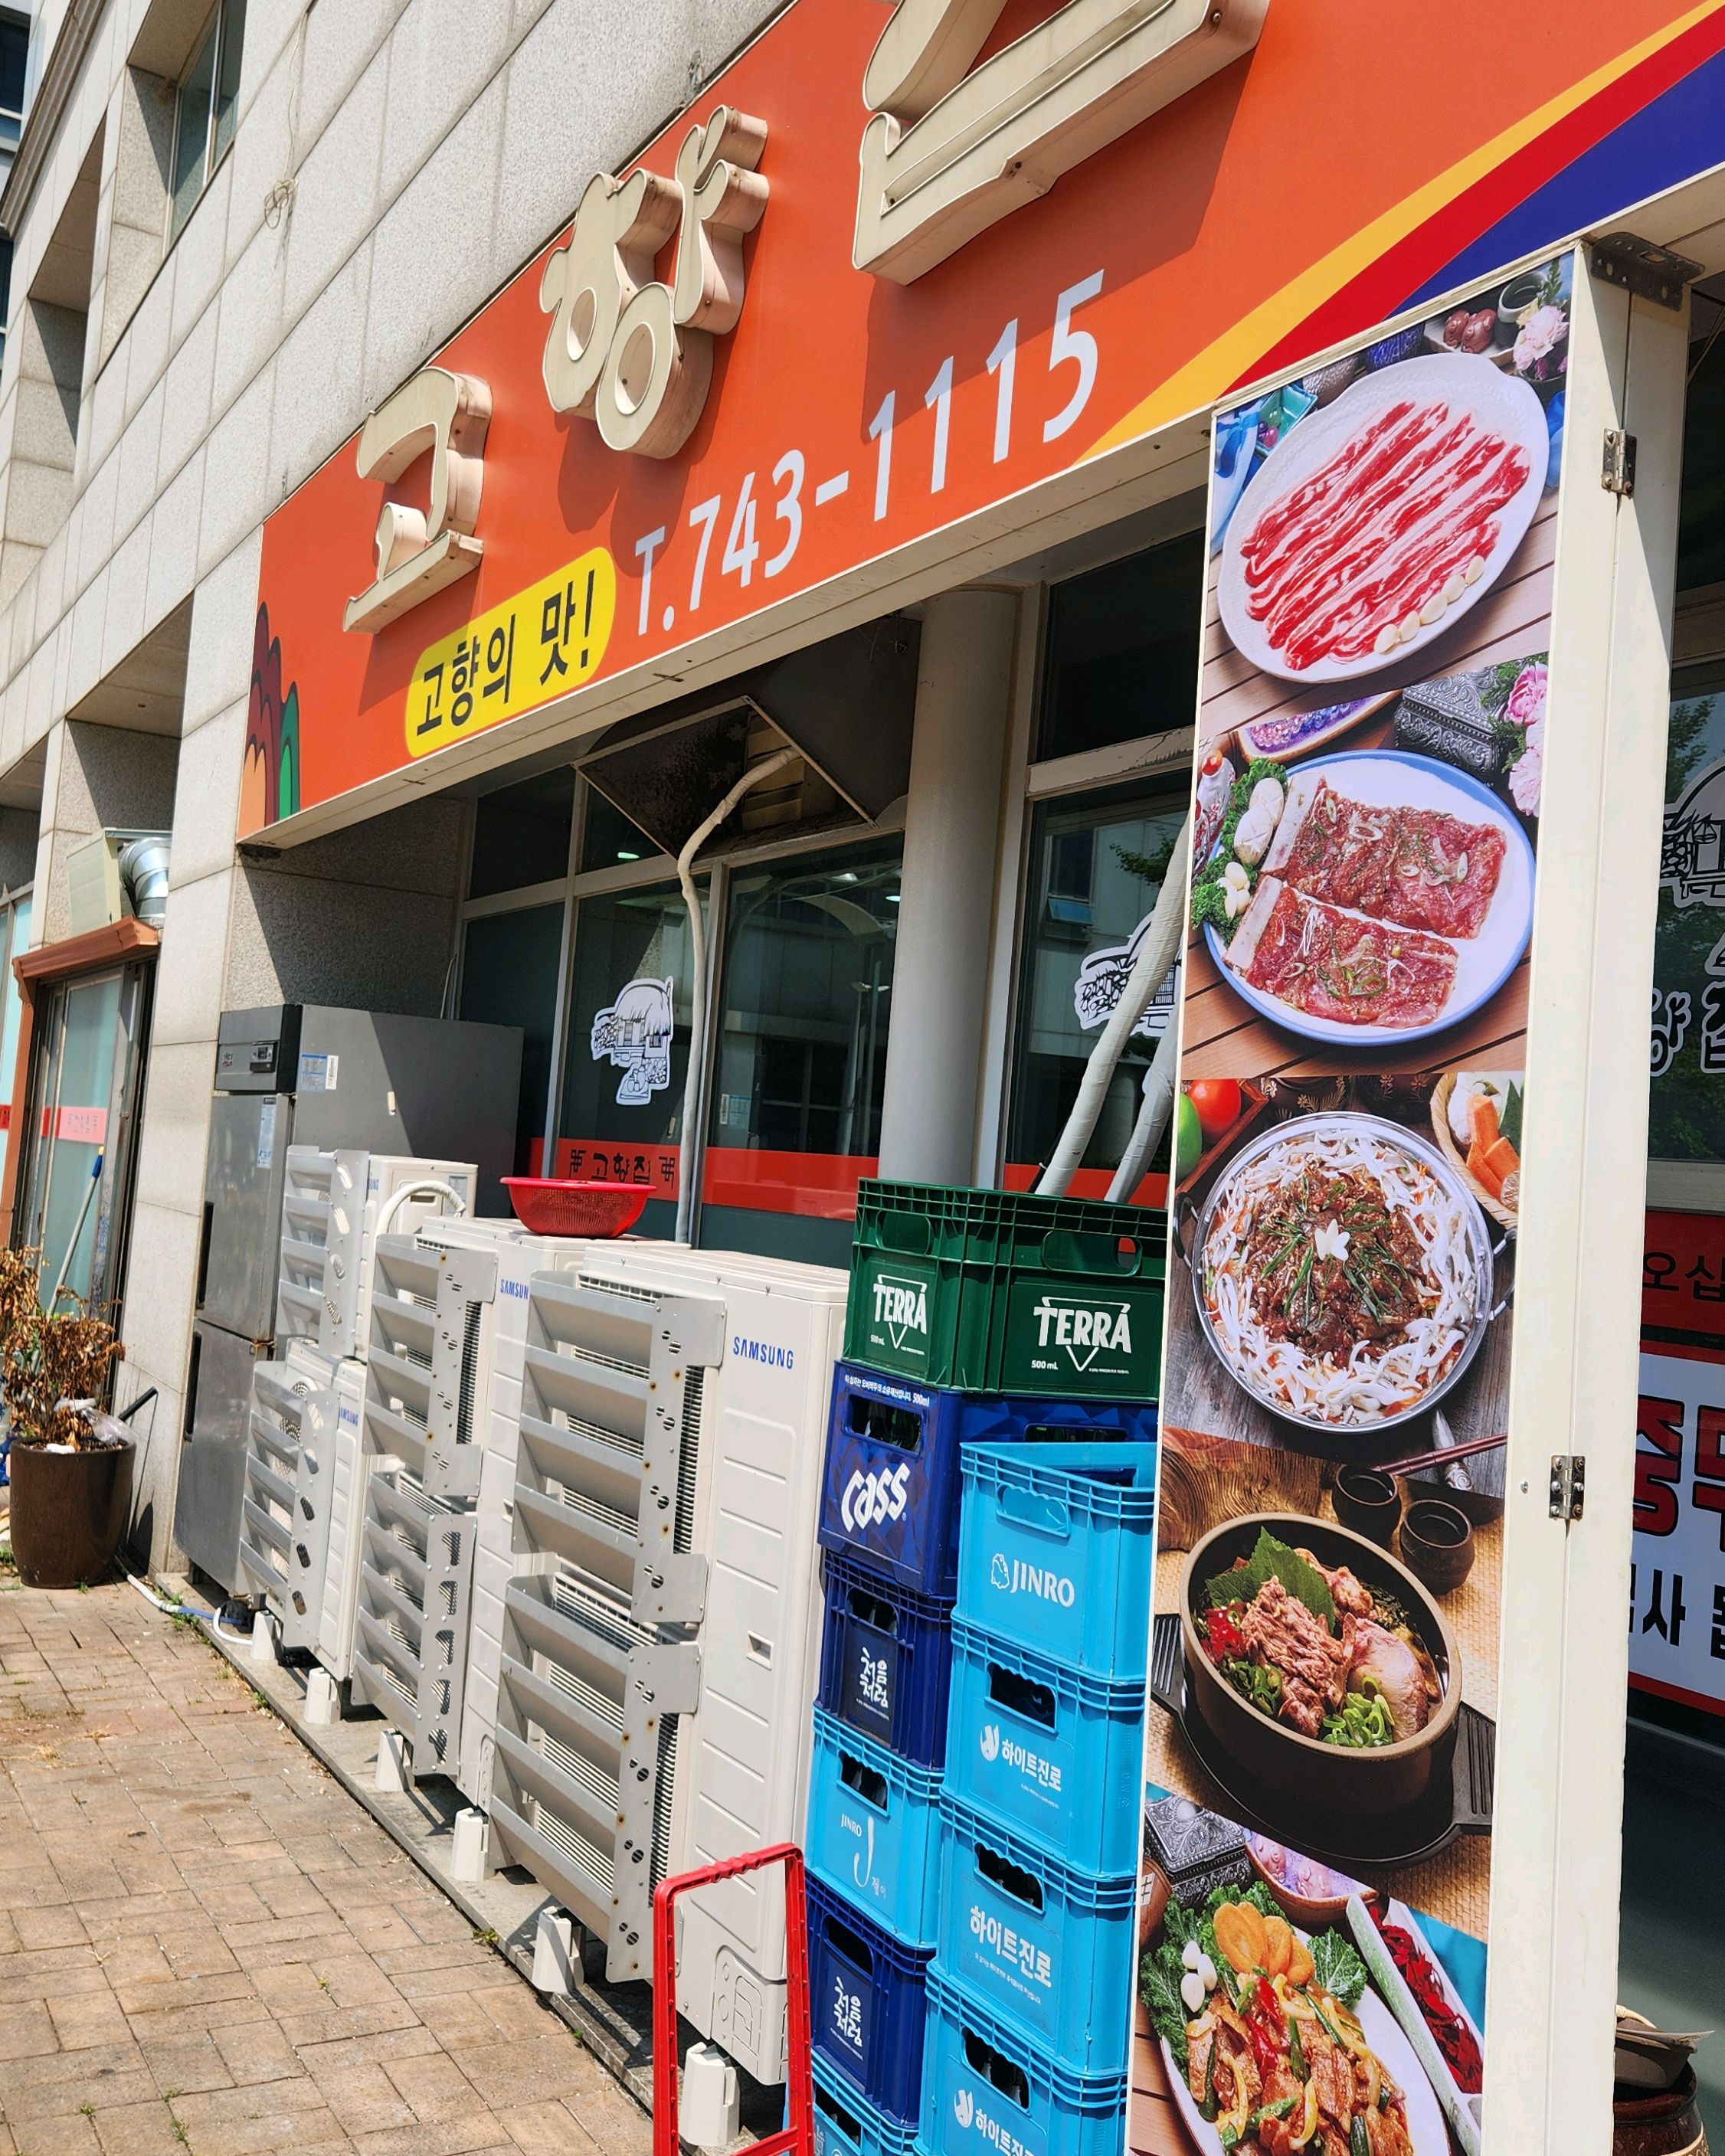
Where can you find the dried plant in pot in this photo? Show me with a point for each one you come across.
(71, 1479)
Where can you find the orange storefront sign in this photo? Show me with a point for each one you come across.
(1349, 163)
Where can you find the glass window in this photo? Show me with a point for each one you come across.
(1700, 511)
(1123, 650)
(233, 47)
(509, 976)
(14, 62)
(1687, 1107)
(795, 1115)
(1096, 865)
(15, 938)
(77, 1085)
(607, 837)
(628, 1052)
(521, 835)
(206, 108)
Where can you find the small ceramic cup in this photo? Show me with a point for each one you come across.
(1437, 1544)
(1369, 1503)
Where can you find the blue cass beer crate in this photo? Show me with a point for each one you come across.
(866, 2003)
(1049, 1947)
(990, 2090)
(886, 1660)
(874, 1829)
(1056, 1551)
(890, 1495)
(1047, 1750)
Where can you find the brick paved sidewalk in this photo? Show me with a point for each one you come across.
(207, 1948)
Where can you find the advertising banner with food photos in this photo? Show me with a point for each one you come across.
(1346, 1198)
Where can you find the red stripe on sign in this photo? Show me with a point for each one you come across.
(1676, 1694)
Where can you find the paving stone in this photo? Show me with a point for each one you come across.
(207, 1948)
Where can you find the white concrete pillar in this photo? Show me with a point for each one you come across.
(940, 967)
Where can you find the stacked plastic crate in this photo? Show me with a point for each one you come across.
(981, 1326)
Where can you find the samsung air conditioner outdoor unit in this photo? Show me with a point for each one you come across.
(350, 1470)
(658, 1667)
(518, 1255)
(410, 1621)
(427, 1357)
(285, 1506)
(331, 1205)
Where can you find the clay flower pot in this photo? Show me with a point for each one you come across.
(69, 1512)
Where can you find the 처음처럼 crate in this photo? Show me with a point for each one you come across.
(1005, 1293)
(1051, 1752)
(865, 1991)
(891, 1495)
(873, 1831)
(886, 1660)
(847, 2124)
(987, 2088)
(1055, 1551)
(1048, 1946)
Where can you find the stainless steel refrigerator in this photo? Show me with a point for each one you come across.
(303, 1074)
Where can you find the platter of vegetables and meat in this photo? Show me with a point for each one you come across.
(1363, 898)
(1274, 2040)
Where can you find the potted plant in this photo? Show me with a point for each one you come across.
(71, 1482)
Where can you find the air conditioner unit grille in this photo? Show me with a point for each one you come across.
(573, 1843)
(597, 1434)
(665, 1793)
(589, 1696)
(594, 1508)
(626, 1291)
(586, 1602)
(689, 1460)
(600, 1786)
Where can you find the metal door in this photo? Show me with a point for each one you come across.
(212, 1491)
(241, 1212)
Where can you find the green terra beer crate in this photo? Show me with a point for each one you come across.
(998, 1293)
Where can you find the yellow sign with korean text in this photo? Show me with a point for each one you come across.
(535, 647)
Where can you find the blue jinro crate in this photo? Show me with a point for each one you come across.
(1056, 1549)
(1048, 1947)
(1047, 1750)
(990, 2090)
(847, 2124)
(874, 1829)
(866, 2004)
(891, 1495)
(886, 1660)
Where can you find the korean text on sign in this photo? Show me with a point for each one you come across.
(535, 647)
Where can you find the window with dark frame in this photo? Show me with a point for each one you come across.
(206, 109)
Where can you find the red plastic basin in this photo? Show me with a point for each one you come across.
(548, 1205)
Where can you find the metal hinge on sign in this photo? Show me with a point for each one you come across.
(1568, 1485)
(1617, 473)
